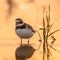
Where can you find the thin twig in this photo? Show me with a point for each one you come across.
(47, 30)
(44, 32)
(39, 41)
(54, 49)
(53, 33)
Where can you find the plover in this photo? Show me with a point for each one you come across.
(24, 30)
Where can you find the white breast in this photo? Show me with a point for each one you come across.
(24, 33)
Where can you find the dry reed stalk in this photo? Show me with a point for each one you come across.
(46, 29)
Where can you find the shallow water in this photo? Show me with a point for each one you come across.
(32, 14)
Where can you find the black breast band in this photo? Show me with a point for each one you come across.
(21, 27)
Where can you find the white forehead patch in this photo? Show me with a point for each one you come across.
(17, 20)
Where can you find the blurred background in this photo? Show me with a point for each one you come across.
(31, 11)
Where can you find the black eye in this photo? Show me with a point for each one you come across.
(21, 22)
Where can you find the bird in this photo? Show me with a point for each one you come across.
(23, 30)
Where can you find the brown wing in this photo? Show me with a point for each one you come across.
(30, 27)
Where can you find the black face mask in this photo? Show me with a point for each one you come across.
(21, 22)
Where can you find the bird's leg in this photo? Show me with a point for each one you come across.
(28, 41)
(21, 42)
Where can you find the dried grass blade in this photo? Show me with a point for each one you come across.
(50, 26)
(54, 49)
(53, 33)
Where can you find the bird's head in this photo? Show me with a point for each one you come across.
(19, 22)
